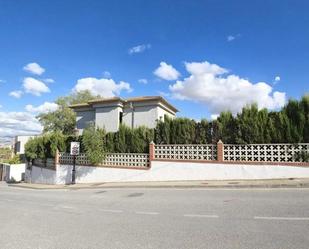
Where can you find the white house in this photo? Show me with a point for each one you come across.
(19, 143)
(109, 113)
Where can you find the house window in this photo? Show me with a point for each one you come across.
(120, 117)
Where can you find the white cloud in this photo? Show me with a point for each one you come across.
(16, 94)
(166, 72)
(214, 116)
(164, 94)
(34, 86)
(143, 81)
(230, 38)
(208, 84)
(103, 87)
(45, 107)
(277, 78)
(139, 49)
(34, 68)
(18, 123)
(49, 80)
(107, 74)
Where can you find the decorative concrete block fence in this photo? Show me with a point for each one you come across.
(207, 153)
(178, 163)
(263, 152)
(230, 153)
(123, 160)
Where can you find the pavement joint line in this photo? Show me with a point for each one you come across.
(281, 218)
(144, 212)
(111, 210)
(201, 215)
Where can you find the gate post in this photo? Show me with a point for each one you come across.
(220, 152)
(151, 152)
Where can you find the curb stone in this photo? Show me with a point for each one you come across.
(225, 186)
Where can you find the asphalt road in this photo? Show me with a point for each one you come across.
(154, 218)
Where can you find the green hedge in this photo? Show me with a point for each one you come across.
(93, 142)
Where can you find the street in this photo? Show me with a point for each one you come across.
(154, 218)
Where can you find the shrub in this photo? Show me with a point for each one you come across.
(14, 160)
(128, 140)
(93, 142)
(45, 146)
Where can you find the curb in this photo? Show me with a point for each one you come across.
(259, 186)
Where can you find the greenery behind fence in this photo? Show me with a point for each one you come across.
(289, 125)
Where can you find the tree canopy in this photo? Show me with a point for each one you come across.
(251, 125)
(64, 119)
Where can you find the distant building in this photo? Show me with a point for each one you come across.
(19, 144)
(109, 113)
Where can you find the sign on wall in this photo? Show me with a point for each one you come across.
(75, 148)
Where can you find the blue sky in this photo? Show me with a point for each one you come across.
(219, 51)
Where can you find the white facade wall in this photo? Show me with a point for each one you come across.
(169, 171)
(83, 119)
(20, 142)
(107, 118)
(14, 172)
(143, 116)
(162, 112)
(135, 114)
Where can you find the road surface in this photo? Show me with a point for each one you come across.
(154, 218)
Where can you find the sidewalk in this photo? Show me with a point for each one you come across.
(277, 183)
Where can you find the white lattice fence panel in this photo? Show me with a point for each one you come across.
(111, 159)
(66, 158)
(127, 160)
(263, 152)
(188, 152)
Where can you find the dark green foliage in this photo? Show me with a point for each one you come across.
(227, 127)
(93, 143)
(289, 125)
(129, 140)
(45, 146)
(251, 125)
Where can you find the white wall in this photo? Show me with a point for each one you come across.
(83, 119)
(173, 171)
(108, 118)
(162, 112)
(143, 116)
(20, 142)
(14, 172)
(43, 176)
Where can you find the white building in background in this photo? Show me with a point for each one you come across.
(109, 113)
(19, 144)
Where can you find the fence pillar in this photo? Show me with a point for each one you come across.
(151, 152)
(220, 151)
(56, 158)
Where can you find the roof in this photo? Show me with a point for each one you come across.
(124, 101)
(79, 105)
(105, 100)
(152, 98)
